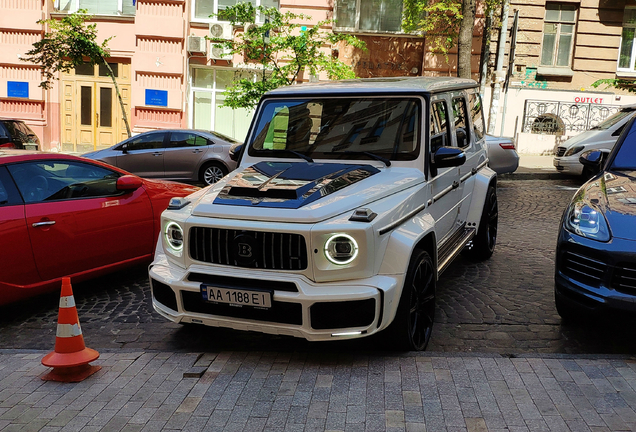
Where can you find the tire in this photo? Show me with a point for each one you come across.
(211, 173)
(483, 244)
(413, 323)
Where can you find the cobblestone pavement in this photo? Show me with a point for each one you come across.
(504, 305)
(349, 392)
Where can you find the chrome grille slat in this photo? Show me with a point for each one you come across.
(624, 279)
(560, 151)
(278, 251)
(579, 267)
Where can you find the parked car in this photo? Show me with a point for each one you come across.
(178, 154)
(502, 154)
(62, 215)
(596, 247)
(341, 216)
(601, 137)
(15, 134)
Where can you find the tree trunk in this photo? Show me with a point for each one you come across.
(465, 39)
(121, 101)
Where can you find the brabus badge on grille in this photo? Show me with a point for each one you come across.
(244, 250)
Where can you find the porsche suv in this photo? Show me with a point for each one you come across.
(350, 200)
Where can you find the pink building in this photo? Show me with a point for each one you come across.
(167, 73)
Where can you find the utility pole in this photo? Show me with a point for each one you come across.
(499, 74)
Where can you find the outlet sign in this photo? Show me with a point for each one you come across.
(157, 97)
(18, 89)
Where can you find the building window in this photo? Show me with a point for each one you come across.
(368, 16)
(206, 98)
(205, 10)
(558, 34)
(626, 55)
(97, 7)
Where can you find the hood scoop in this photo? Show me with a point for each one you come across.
(290, 184)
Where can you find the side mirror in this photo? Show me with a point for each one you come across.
(235, 152)
(129, 183)
(124, 148)
(446, 157)
(592, 159)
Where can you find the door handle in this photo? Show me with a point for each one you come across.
(197, 151)
(39, 224)
(157, 154)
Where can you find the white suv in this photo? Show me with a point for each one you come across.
(349, 201)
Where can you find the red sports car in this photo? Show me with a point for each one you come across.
(63, 215)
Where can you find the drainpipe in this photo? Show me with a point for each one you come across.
(499, 74)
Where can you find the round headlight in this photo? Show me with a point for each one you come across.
(174, 236)
(341, 249)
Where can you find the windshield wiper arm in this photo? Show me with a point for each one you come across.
(371, 155)
(300, 155)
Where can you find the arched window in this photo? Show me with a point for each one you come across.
(548, 124)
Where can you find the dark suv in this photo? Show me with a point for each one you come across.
(16, 134)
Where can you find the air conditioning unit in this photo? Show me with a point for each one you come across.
(222, 31)
(197, 44)
(218, 52)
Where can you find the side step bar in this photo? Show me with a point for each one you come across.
(452, 247)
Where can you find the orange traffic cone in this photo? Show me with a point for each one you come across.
(70, 358)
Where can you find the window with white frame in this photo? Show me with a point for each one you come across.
(205, 10)
(558, 34)
(206, 97)
(368, 16)
(97, 7)
(627, 56)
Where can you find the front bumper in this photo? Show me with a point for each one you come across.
(594, 277)
(568, 165)
(300, 307)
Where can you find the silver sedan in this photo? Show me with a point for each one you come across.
(502, 154)
(176, 154)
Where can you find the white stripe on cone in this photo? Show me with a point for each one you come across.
(67, 302)
(68, 330)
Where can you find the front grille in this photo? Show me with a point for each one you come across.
(624, 279)
(163, 294)
(561, 151)
(280, 312)
(582, 268)
(251, 249)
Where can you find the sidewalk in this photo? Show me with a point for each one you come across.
(535, 167)
(278, 392)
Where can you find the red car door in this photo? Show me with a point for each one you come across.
(78, 221)
(16, 259)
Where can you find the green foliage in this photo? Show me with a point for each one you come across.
(618, 83)
(68, 44)
(283, 48)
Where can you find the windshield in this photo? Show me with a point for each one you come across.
(625, 159)
(613, 119)
(338, 128)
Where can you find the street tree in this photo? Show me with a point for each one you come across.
(69, 43)
(282, 48)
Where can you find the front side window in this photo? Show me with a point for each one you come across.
(205, 10)
(627, 56)
(369, 16)
(99, 7)
(338, 128)
(146, 142)
(558, 34)
(60, 180)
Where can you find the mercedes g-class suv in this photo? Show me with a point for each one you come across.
(349, 201)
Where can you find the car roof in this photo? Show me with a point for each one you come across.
(398, 85)
(212, 134)
(631, 107)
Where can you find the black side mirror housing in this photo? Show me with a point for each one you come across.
(235, 152)
(446, 157)
(592, 159)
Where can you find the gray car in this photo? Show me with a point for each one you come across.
(176, 154)
(502, 155)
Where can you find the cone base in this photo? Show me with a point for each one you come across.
(67, 360)
(71, 374)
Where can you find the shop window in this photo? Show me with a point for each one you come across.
(97, 7)
(205, 10)
(548, 124)
(558, 34)
(626, 54)
(368, 16)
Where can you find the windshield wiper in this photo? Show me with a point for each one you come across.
(300, 155)
(371, 155)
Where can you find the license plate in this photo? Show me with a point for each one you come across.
(237, 297)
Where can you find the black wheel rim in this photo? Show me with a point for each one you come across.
(493, 217)
(422, 311)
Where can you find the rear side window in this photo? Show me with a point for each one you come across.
(477, 114)
(187, 139)
(461, 122)
(439, 126)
